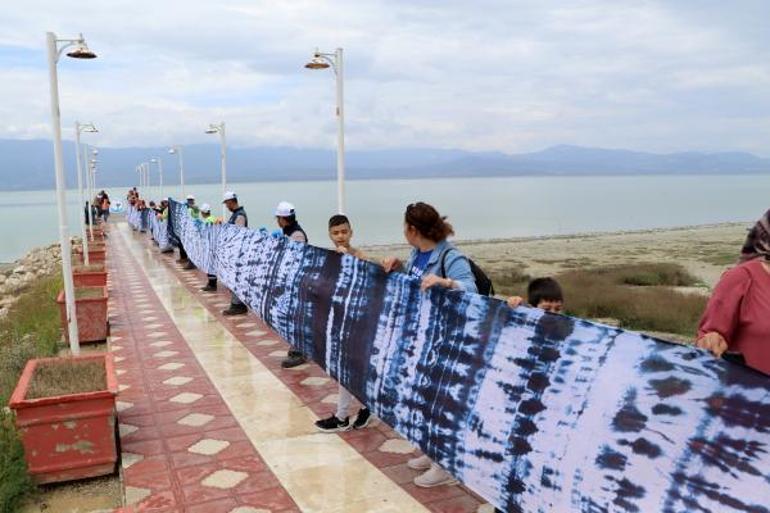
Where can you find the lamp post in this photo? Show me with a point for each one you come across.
(220, 129)
(334, 60)
(80, 128)
(156, 160)
(88, 187)
(80, 51)
(178, 151)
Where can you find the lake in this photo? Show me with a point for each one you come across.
(479, 208)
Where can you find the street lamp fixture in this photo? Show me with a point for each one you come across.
(79, 129)
(55, 47)
(214, 128)
(322, 60)
(81, 50)
(157, 160)
(177, 150)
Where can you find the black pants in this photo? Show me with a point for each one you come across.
(182, 253)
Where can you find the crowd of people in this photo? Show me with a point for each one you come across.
(735, 324)
(99, 208)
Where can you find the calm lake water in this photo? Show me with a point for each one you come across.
(479, 208)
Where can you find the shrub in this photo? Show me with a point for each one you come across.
(638, 296)
(14, 480)
(31, 329)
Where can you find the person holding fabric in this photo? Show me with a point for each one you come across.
(432, 256)
(207, 218)
(286, 217)
(238, 218)
(192, 210)
(736, 322)
(340, 233)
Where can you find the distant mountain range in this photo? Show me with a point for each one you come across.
(28, 164)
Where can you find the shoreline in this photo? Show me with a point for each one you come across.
(705, 250)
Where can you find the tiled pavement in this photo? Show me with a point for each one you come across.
(210, 422)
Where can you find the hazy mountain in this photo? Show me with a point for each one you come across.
(29, 164)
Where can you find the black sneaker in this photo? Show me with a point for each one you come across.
(235, 310)
(333, 424)
(362, 419)
(210, 287)
(293, 360)
(189, 266)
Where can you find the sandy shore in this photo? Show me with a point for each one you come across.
(706, 250)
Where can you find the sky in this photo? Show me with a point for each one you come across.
(510, 76)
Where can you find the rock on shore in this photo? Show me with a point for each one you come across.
(19, 275)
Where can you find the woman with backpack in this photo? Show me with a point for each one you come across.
(437, 263)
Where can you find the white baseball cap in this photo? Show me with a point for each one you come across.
(190, 197)
(229, 195)
(206, 208)
(284, 209)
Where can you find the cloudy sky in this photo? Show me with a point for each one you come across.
(510, 75)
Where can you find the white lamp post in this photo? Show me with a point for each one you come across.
(220, 129)
(80, 51)
(334, 60)
(160, 175)
(178, 151)
(80, 128)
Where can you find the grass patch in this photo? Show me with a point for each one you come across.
(638, 296)
(67, 377)
(90, 268)
(721, 258)
(596, 294)
(89, 293)
(31, 329)
(647, 275)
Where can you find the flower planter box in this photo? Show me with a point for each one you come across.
(72, 435)
(91, 311)
(96, 254)
(93, 275)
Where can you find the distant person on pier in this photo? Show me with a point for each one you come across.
(207, 218)
(286, 217)
(238, 217)
(736, 323)
(192, 209)
(104, 206)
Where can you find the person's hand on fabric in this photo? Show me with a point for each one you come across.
(391, 264)
(432, 280)
(515, 301)
(276, 234)
(713, 342)
(342, 249)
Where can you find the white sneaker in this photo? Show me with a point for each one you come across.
(436, 476)
(421, 463)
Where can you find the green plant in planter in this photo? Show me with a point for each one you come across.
(14, 480)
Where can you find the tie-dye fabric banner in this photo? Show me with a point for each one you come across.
(535, 412)
(159, 231)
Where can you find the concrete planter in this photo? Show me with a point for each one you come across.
(97, 253)
(68, 437)
(92, 276)
(91, 314)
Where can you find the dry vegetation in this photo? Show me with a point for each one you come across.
(636, 296)
(67, 377)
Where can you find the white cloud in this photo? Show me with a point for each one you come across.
(488, 75)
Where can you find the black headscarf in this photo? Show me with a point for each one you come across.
(757, 243)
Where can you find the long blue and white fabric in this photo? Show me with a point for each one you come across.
(159, 231)
(535, 412)
(138, 219)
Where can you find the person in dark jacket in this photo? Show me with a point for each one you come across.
(238, 217)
